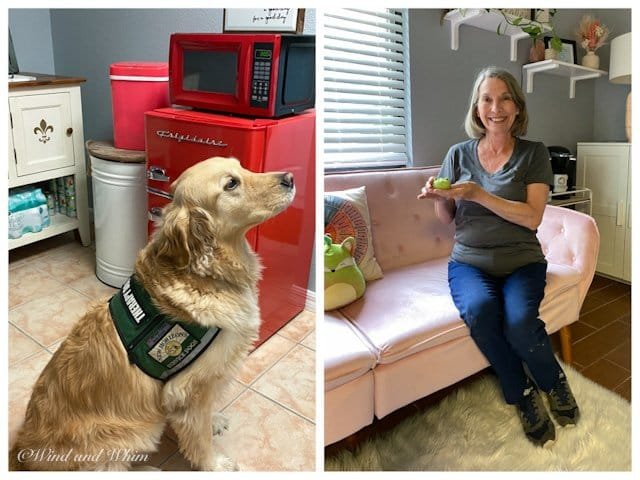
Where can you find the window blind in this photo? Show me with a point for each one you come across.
(366, 91)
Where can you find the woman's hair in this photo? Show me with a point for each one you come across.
(472, 124)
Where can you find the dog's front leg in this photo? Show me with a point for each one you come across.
(193, 428)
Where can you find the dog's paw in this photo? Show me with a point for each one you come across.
(222, 464)
(219, 423)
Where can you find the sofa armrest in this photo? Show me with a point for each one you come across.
(570, 238)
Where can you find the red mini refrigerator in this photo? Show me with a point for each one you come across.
(177, 139)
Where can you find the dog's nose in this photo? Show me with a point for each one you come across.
(287, 180)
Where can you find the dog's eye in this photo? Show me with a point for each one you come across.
(231, 184)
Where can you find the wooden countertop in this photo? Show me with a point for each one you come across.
(43, 80)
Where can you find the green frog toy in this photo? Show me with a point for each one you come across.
(343, 279)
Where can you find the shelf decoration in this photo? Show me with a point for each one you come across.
(591, 35)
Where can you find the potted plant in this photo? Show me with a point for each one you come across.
(536, 29)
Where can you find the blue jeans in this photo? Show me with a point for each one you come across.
(502, 315)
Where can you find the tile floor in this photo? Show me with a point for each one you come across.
(271, 404)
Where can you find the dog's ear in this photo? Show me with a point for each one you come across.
(188, 238)
(173, 234)
(202, 241)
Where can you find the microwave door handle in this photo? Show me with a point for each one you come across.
(158, 174)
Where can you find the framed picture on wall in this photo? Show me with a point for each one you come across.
(568, 53)
(282, 20)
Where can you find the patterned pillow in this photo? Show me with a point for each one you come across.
(346, 214)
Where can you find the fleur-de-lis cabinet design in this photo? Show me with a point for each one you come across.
(43, 129)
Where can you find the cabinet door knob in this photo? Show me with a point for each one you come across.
(69, 131)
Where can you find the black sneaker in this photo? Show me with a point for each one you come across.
(536, 422)
(563, 404)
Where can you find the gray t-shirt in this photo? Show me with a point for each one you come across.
(484, 239)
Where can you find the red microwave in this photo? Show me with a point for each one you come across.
(258, 75)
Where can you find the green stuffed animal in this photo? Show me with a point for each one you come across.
(343, 279)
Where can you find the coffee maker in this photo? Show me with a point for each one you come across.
(563, 164)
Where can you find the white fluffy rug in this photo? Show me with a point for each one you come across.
(472, 429)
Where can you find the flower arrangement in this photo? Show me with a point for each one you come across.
(591, 34)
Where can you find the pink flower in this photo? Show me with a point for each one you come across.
(591, 34)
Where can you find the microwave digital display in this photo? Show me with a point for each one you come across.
(210, 71)
(263, 54)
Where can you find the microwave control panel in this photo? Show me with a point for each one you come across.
(261, 79)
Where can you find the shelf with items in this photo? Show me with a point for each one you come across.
(47, 206)
(579, 196)
(486, 20)
(46, 142)
(59, 224)
(571, 71)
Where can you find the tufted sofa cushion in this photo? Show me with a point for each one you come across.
(405, 230)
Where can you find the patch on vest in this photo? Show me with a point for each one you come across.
(174, 344)
(158, 344)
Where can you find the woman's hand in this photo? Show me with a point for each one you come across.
(445, 207)
(428, 191)
(470, 191)
(458, 191)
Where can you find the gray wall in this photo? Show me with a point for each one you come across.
(31, 34)
(84, 42)
(441, 81)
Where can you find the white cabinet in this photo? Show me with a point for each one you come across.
(46, 141)
(605, 168)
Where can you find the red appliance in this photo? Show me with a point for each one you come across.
(257, 75)
(136, 87)
(177, 139)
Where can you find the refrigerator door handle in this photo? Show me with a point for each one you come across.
(158, 174)
(155, 214)
(159, 193)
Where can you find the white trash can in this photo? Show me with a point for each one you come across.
(119, 210)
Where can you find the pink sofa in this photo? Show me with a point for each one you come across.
(404, 339)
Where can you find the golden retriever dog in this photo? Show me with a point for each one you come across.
(91, 409)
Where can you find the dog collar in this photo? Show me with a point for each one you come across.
(158, 344)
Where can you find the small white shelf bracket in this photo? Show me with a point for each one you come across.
(513, 55)
(576, 78)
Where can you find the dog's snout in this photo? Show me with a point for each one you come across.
(287, 180)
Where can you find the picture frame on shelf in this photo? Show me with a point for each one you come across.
(280, 20)
(569, 51)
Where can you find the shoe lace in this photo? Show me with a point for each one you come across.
(561, 391)
(529, 407)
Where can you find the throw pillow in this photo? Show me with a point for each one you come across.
(346, 214)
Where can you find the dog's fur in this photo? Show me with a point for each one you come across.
(89, 400)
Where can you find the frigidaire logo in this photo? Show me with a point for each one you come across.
(181, 137)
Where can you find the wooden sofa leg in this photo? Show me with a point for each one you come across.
(565, 344)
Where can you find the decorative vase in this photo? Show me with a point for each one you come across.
(550, 54)
(591, 60)
(536, 54)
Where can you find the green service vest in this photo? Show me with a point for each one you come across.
(158, 344)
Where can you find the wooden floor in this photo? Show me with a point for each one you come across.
(601, 345)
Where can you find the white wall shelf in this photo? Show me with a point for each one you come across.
(480, 18)
(562, 69)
